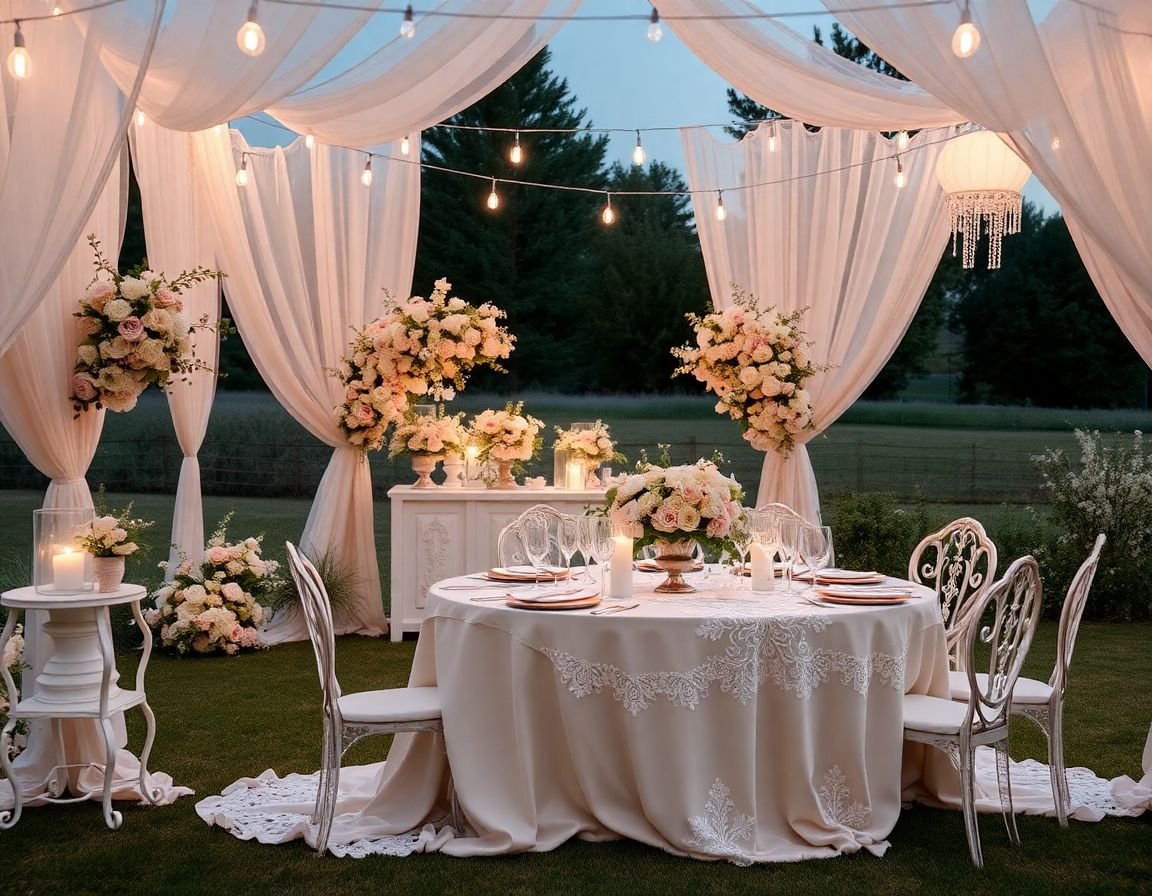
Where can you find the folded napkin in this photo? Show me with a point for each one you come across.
(548, 597)
(866, 593)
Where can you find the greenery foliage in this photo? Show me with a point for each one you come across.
(869, 532)
(340, 578)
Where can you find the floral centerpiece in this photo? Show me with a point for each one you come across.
(756, 362)
(507, 437)
(426, 438)
(13, 662)
(216, 606)
(109, 538)
(420, 348)
(592, 445)
(135, 334)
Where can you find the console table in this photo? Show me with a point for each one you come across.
(78, 681)
(442, 532)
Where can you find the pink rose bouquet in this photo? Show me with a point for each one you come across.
(113, 533)
(215, 607)
(420, 349)
(507, 435)
(756, 362)
(134, 335)
(429, 435)
(593, 445)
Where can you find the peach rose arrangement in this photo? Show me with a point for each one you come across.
(509, 435)
(134, 334)
(594, 445)
(420, 349)
(215, 607)
(756, 362)
(429, 435)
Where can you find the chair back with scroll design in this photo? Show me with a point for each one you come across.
(958, 563)
(510, 544)
(1070, 615)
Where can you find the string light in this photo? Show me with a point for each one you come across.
(516, 156)
(608, 216)
(309, 140)
(901, 177)
(772, 137)
(638, 154)
(493, 198)
(408, 26)
(966, 39)
(19, 62)
(721, 214)
(366, 174)
(654, 31)
(902, 141)
(140, 118)
(242, 171)
(250, 38)
(405, 146)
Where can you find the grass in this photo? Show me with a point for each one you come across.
(223, 718)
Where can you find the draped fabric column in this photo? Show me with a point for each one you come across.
(180, 237)
(35, 384)
(848, 246)
(309, 250)
(1072, 94)
(60, 133)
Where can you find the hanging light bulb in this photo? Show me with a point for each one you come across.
(966, 39)
(309, 140)
(655, 32)
(366, 174)
(901, 177)
(772, 137)
(721, 214)
(56, 10)
(608, 216)
(140, 118)
(405, 146)
(242, 173)
(516, 156)
(638, 154)
(250, 37)
(19, 62)
(902, 139)
(408, 26)
(493, 198)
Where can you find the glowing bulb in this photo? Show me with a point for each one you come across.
(405, 146)
(655, 32)
(242, 173)
(19, 62)
(140, 118)
(493, 199)
(250, 37)
(408, 26)
(966, 39)
(57, 11)
(638, 154)
(366, 174)
(721, 214)
(309, 140)
(772, 138)
(901, 177)
(902, 141)
(516, 156)
(1055, 144)
(608, 216)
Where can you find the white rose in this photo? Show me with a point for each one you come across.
(88, 354)
(132, 288)
(117, 309)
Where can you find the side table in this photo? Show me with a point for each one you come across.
(78, 681)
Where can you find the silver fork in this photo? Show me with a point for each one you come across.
(619, 608)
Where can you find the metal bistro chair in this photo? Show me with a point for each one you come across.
(350, 717)
(959, 564)
(1044, 703)
(959, 728)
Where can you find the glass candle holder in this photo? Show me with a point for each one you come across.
(60, 565)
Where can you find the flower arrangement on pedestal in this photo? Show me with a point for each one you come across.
(135, 334)
(593, 445)
(13, 661)
(429, 435)
(420, 349)
(216, 606)
(508, 437)
(756, 362)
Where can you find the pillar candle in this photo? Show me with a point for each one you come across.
(620, 575)
(763, 577)
(574, 476)
(68, 570)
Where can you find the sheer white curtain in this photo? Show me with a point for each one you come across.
(308, 251)
(180, 237)
(1073, 94)
(35, 383)
(849, 246)
(800, 79)
(60, 134)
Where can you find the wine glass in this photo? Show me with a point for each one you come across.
(596, 541)
(568, 538)
(815, 547)
(741, 536)
(535, 535)
(788, 528)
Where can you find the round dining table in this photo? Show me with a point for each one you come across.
(721, 724)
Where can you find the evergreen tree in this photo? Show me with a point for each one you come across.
(531, 256)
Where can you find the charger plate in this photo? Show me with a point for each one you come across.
(526, 573)
(577, 603)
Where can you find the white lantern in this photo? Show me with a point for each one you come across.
(982, 178)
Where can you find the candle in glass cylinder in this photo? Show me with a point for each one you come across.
(574, 476)
(620, 575)
(68, 570)
(763, 577)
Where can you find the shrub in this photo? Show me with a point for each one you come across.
(870, 532)
(1109, 492)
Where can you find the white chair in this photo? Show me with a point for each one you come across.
(510, 544)
(959, 728)
(958, 563)
(1044, 703)
(350, 717)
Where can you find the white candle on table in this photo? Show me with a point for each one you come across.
(620, 575)
(574, 476)
(68, 570)
(763, 577)
(471, 464)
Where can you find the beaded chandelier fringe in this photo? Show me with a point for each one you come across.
(999, 210)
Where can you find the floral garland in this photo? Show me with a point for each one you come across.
(13, 661)
(429, 435)
(507, 435)
(667, 503)
(419, 348)
(134, 334)
(756, 362)
(593, 445)
(215, 607)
